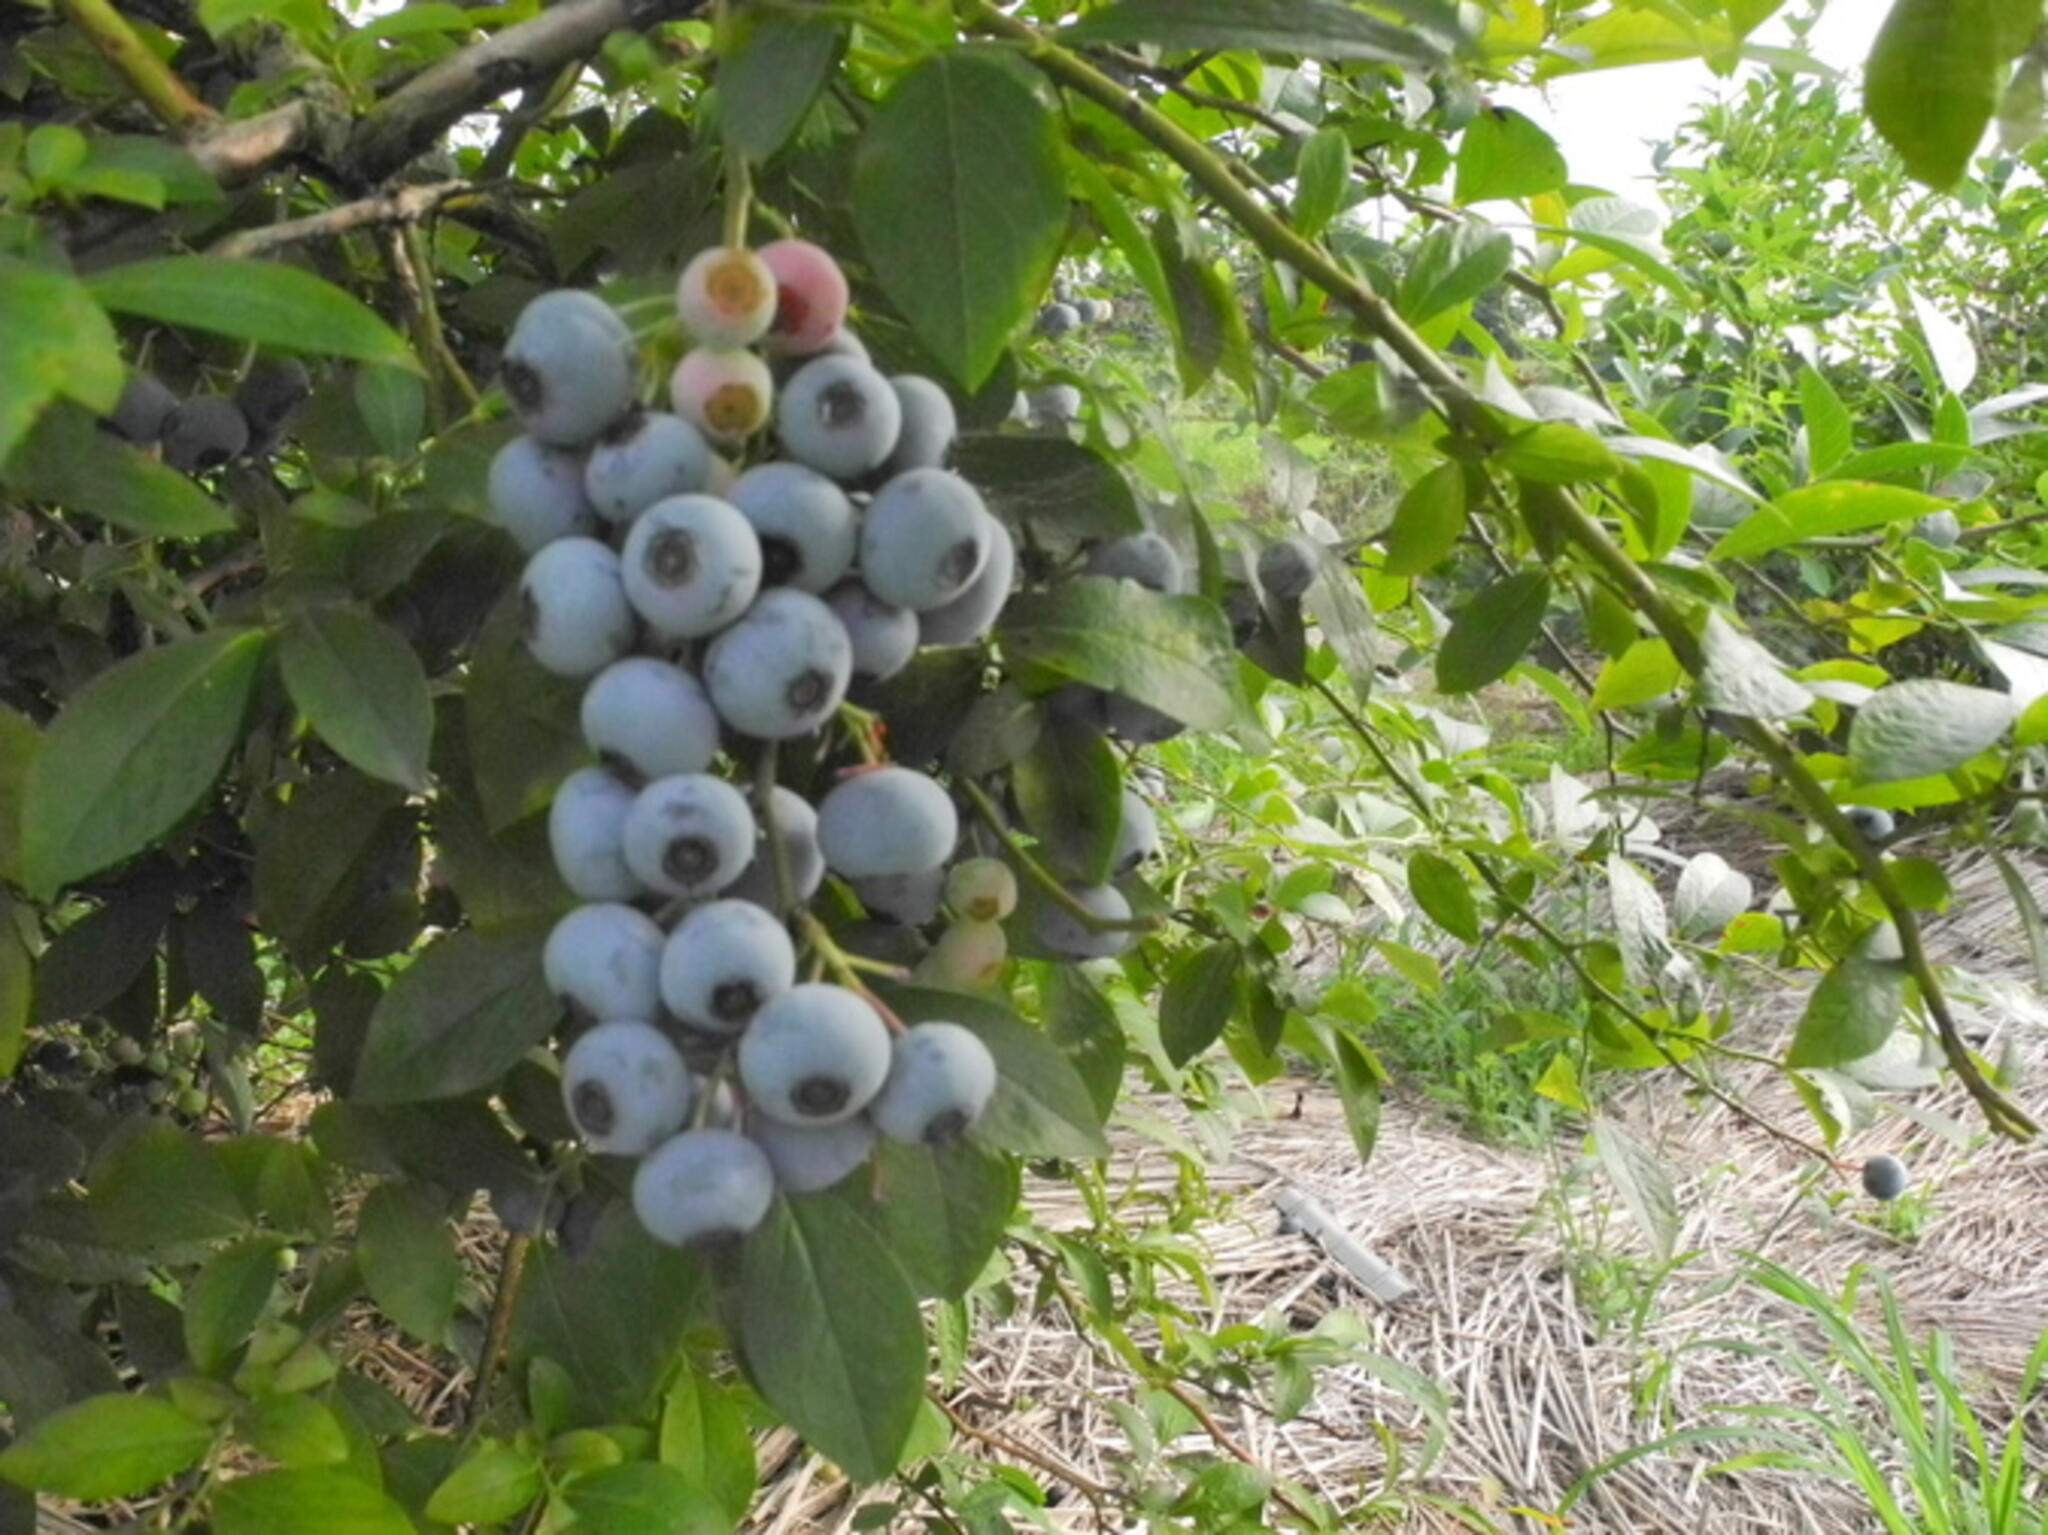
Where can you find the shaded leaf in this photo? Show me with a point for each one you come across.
(457, 1019)
(1199, 996)
(407, 1257)
(362, 688)
(1492, 631)
(261, 301)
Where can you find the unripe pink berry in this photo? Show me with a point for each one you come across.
(810, 300)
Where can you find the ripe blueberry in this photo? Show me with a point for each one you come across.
(796, 829)
(1054, 405)
(569, 367)
(910, 900)
(1064, 934)
(1145, 558)
(647, 457)
(723, 962)
(924, 539)
(884, 638)
(270, 394)
(689, 834)
(973, 613)
(605, 958)
(204, 433)
(703, 1186)
(839, 416)
(650, 718)
(726, 296)
(140, 412)
(929, 424)
(1288, 568)
(626, 1088)
(816, 1055)
(941, 1077)
(1056, 320)
(586, 831)
(1137, 834)
(536, 493)
(889, 820)
(807, 1159)
(805, 524)
(1884, 1177)
(782, 670)
(574, 613)
(691, 565)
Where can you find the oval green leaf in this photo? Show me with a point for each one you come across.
(1439, 888)
(1492, 631)
(106, 1447)
(260, 301)
(1821, 511)
(1173, 653)
(457, 1019)
(132, 753)
(70, 461)
(960, 204)
(1201, 991)
(362, 689)
(305, 1503)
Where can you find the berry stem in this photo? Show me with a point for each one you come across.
(764, 803)
(846, 968)
(739, 193)
(1043, 877)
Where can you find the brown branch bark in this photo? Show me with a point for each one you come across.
(405, 205)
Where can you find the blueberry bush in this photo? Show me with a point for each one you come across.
(617, 624)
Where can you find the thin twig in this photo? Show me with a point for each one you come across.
(403, 205)
(504, 1301)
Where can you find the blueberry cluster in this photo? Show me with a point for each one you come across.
(715, 610)
(207, 431)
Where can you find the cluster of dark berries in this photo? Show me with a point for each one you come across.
(710, 606)
(206, 431)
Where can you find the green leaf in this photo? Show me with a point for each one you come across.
(223, 1303)
(1173, 653)
(960, 204)
(162, 1188)
(1082, 1023)
(769, 75)
(831, 1333)
(614, 1356)
(643, 1498)
(106, 1447)
(1359, 1080)
(1050, 482)
(20, 740)
(132, 752)
(294, 1431)
(393, 404)
(1821, 511)
(457, 1019)
(704, 1436)
(93, 960)
(362, 688)
(1556, 453)
(1931, 82)
(320, 856)
(1453, 264)
(68, 460)
(261, 301)
(1427, 523)
(1924, 726)
(17, 989)
(1646, 670)
(315, 1502)
(1200, 992)
(1830, 434)
(1315, 29)
(942, 1210)
(1739, 676)
(1854, 1009)
(56, 343)
(1207, 317)
(158, 1187)
(1322, 174)
(1504, 154)
(1041, 1107)
(522, 722)
(407, 1258)
(492, 1485)
(1644, 1186)
(1069, 788)
(1440, 889)
(1492, 631)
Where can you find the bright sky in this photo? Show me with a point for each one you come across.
(1607, 121)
